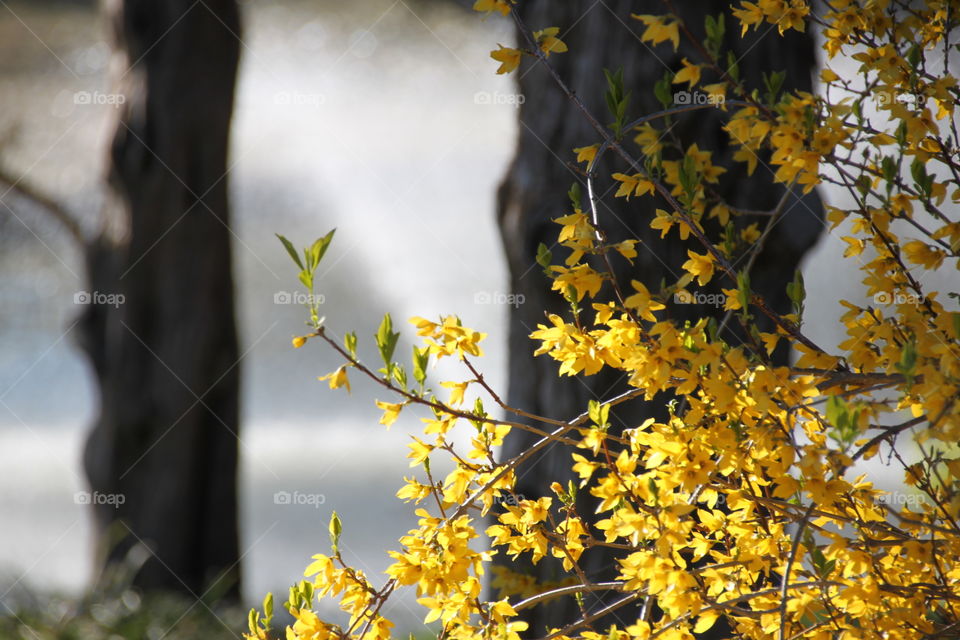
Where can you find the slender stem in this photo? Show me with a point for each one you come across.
(20, 187)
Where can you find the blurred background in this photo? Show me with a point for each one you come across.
(381, 118)
(370, 117)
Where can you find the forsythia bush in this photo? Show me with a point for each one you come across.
(746, 503)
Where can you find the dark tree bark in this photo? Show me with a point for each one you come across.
(602, 35)
(166, 359)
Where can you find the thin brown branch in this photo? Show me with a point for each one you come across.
(21, 188)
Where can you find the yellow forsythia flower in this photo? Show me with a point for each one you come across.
(508, 58)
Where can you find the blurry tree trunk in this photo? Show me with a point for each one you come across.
(165, 442)
(602, 35)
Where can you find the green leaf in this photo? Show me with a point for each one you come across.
(733, 66)
(268, 609)
(544, 257)
(593, 411)
(654, 489)
(663, 90)
(914, 56)
(712, 327)
(575, 196)
(823, 566)
(923, 179)
(773, 82)
(844, 418)
(714, 28)
(689, 176)
(836, 410)
(319, 247)
(901, 135)
(421, 357)
(289, 247)
(336, 527)
(599, 413)
(308, 259)
(350, 344)
(616, 99)
(400, 375)
(889, 167)
(918, 171)
(386, 340)
(797, 292)
(908, 359)
(622, 107)
(306, 278)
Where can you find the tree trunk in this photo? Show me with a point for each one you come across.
(162, 456)
(599, 36)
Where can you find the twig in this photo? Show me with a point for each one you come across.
(29, 192)
(546, 596)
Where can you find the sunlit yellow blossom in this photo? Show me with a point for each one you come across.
(700, 265)
(337, 379)
(508, 58)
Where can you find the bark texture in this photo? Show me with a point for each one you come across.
(602, 35)
(166, 359)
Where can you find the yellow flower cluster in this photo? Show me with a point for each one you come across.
(748, 504)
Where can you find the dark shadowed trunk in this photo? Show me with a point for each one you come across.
(602, 35)
(165, 442)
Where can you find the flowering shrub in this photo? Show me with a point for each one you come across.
(746, 503)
